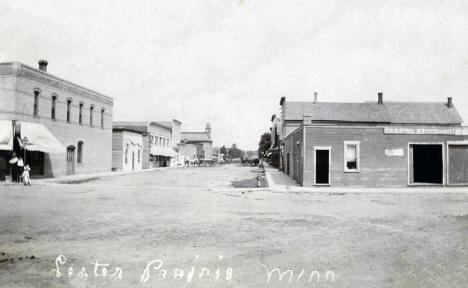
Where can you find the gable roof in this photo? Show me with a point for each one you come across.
(371, 112)
(195, 137)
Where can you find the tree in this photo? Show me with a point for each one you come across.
(234, 152)
(264, 144)
(223, 150)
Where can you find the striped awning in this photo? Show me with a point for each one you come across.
(40, 139)
(6, 135)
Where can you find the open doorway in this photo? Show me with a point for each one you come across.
(426, 164)
(322, 166)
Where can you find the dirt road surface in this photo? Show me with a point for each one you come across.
(185, 219)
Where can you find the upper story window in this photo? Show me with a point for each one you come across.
(68, 109)
(36, 102)
(80, 113)
(91, 109)
(54, 106)
(102, 118)
(351, 156)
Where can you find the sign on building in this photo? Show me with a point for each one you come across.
(395, 152)
(419, 131)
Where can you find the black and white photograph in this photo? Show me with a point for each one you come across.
(234, 143)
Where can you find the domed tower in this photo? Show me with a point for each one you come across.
(208, 130)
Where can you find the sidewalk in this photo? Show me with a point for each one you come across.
(280, 182)
(79, 178)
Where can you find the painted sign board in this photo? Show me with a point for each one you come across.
(419, 131)
(394, 152)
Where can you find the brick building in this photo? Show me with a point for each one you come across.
(68, 128)
(390, 144)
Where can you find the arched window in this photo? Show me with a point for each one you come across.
(80, 116)
(54, 105)
(68, 109)
(91, 109)
(36, 102)
(102, 118)
(79, 152)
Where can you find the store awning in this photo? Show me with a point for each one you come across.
(40, 139)
(161, 152)
(6, 135)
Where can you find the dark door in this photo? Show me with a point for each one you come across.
(287, 164)
(427, 164)
(70, 160)
(322, 158)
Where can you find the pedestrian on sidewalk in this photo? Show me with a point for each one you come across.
(25, 176)
(20, 169)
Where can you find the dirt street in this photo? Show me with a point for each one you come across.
(189, 227)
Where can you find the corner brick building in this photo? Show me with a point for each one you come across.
(68, 127)
(390, 144)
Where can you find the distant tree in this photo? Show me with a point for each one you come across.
(264, 144)
(235, 152)
(223, 150)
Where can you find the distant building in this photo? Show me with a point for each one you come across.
(373, 144)
(197, 144)
(65, 128)
(127, 149)
(158, 147)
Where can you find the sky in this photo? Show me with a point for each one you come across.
(229, 62)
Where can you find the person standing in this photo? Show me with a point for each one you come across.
(14, 167)
(20, 169)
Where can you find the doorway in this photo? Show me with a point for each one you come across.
(70, 160)
(287, 164)
(426, 164)
(322, 166)
(133, 160)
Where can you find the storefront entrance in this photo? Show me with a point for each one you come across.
(322, 166)
(426, 163)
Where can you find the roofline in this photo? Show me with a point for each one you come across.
(127, 129)
(46, 74)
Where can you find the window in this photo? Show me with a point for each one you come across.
(36, 103)
(351, 156)
(54, 104)
(68, 109)
(79, 153)
(126, 154)
(80, 116)
(102, 118)
(91, 109)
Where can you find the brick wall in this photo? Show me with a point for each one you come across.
(376, 169)
(97, 151)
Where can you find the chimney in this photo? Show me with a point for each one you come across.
(380, 98)
(43, 65)
(315, 98)
(449, 102)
